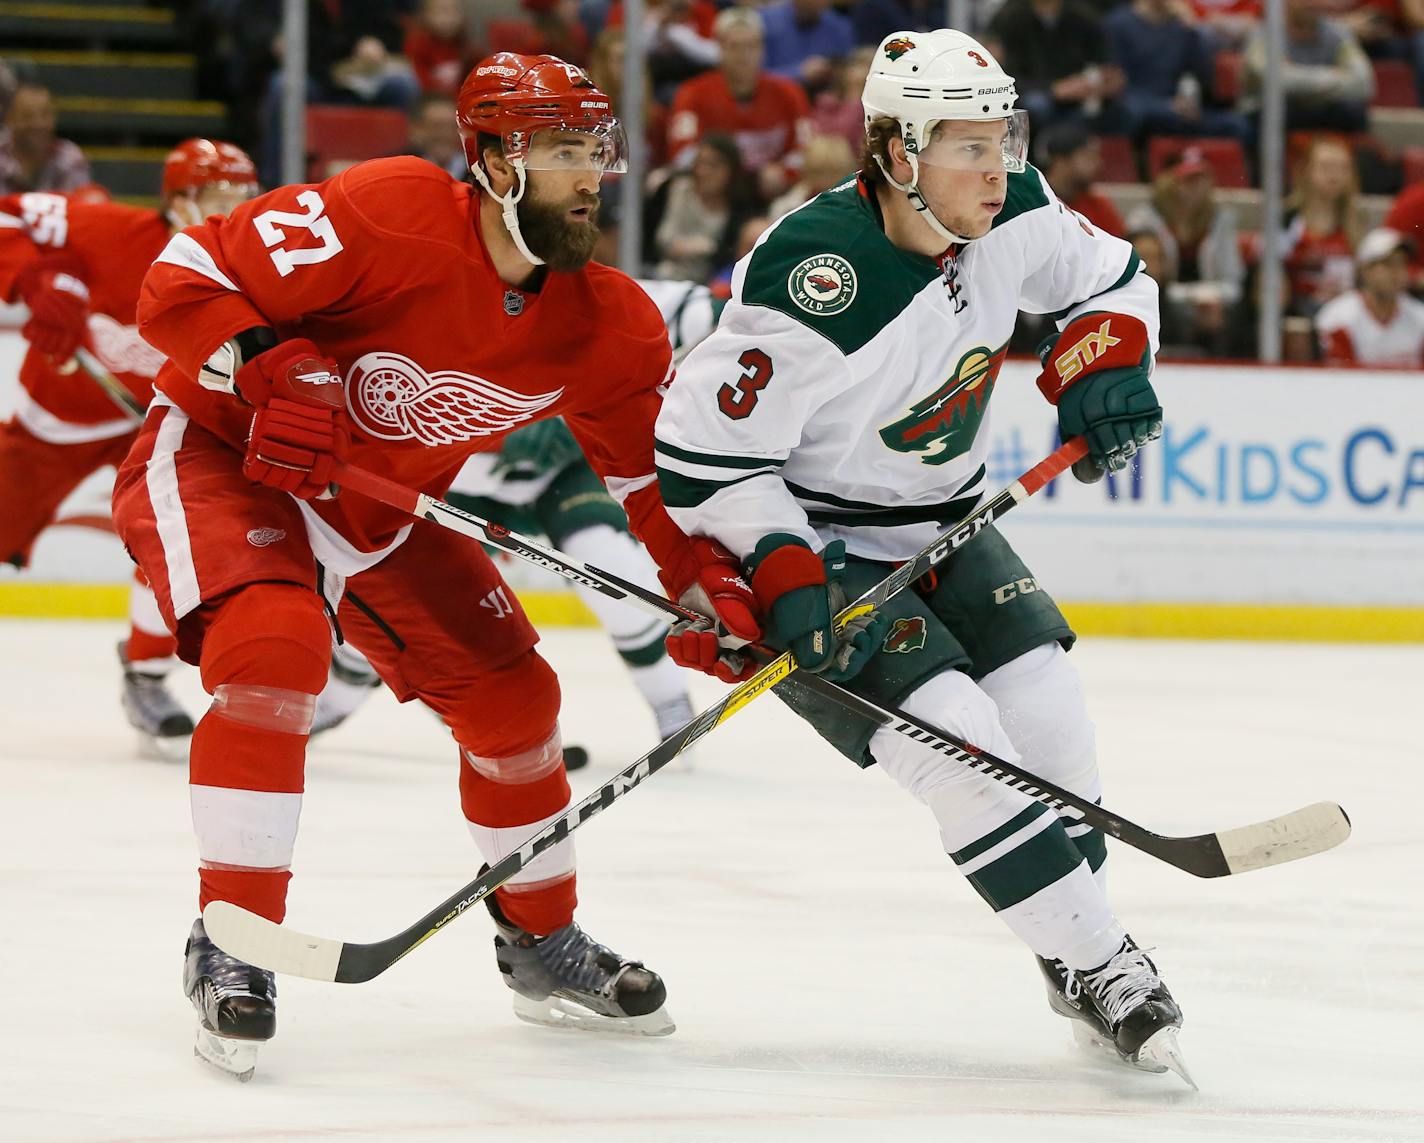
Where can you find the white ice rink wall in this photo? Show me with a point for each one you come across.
(1280, 502)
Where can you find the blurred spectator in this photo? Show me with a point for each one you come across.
(766, 114)
(1227, 23)
(353, 56)
(1072, 160)
(805, 39)
(8, 83)
(435, 135)
(605, 68)
(438, 47)
(1406, 215)
(679, 40)
(1391, 29)
(1327, 76)
(1169, 71)
(1056, 53)
(1322, 225)
(829, 161)
(839, 110)
(32, 157)
(1199, 236)
(374, 75)
(747, 235)
(1378, 323)
(1176, 333)
(872, 20)
(693, 218)
(558, 31)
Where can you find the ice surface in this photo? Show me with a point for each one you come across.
(831, 976)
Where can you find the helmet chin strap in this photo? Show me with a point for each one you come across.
(911, 190)
(184, 211)
(509, 204)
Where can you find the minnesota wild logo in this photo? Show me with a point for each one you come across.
(825, 284)
(942, 426)
(905, 635)
(898, 47)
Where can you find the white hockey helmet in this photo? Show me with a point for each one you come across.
(922, 78)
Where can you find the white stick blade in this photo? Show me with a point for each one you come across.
(1303, 833)
(258, 941)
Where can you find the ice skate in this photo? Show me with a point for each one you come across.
(670, 716)
(236, 1003)
(1121, 1007)
(164, 727)
(569, 980)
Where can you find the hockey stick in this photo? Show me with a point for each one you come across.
(264, 943)
(1291, 836)
(112, 386)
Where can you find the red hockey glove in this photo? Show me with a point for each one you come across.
(709, 580)
(59, 310)
(299, 432)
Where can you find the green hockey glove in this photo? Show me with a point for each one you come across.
(801, 594)
(1097, 371)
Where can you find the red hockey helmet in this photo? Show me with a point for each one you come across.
(196, 163)
(513, 96)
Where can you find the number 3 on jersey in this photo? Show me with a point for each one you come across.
(737, 402)
(269, 225)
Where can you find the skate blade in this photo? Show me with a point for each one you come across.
(160, 749)
(237, 1057)
(555, 1012)
(1160, 1052)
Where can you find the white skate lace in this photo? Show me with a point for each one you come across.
(1120, 985)
(574, 958)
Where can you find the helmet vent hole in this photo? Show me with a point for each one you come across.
(914, 67)
(986, 107)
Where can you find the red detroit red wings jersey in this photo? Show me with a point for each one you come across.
(109, 246)
(383, 267)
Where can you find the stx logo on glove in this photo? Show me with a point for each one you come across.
(1088, 349)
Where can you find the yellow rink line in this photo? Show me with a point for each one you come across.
(1146, 620)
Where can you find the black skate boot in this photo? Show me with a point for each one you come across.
(164, 727)
(1122, 1007)
(236, 1002)
(569, 980)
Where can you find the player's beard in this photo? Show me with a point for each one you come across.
(548, 232)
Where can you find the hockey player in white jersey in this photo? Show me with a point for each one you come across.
(835, 422)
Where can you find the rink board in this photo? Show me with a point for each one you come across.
(1280, 503)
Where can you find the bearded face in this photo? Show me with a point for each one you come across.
(560, 227)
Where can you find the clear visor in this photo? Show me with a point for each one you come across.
(988, 146)
(603, 149)
(222, 197)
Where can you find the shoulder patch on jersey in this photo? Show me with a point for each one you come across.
(822, 284)
(1024, 193)
(812, 263)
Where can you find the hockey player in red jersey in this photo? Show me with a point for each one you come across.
(77, 261)
(402, 320)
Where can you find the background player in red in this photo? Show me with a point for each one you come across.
(77, 261)
(404, 320)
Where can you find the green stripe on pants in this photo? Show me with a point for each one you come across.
(1046, 857)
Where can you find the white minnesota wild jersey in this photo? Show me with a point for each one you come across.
(845, 392)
